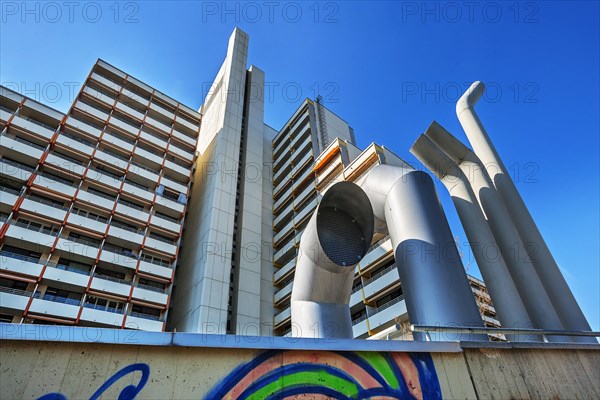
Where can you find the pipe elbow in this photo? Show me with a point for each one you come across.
(470, 97)
(378, 184)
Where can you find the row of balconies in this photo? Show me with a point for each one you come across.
(65, 308)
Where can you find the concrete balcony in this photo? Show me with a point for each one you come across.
(285, 254)
(282, 174)
(282, 185)
(158, 125)
(283, 145)
(55, 306)
(110, 159)
(162, 111)
(360, 328)
(156, 270)
(39, 240)
(381, 281)
(305, 194)
(54, 186)
(122, 260)
(308, 158)
(124, 126)
(302, 135)
(131, 212)
(95, 200)
(283, 317)
(150, 296)
(87, 251)
(57, 274)
(101, 316)
(31, 127)
(283, 233)
(184, 122)
(94, 112)
(150, 177)
(15, 171)
(155, 140)
(110, 286)
(174, 227)
(153, 158)
(139, 99)
(125, 236)
(67, 165)
(301, 151)
(138, 192)
(284, 197)
(176, 186)
(5, 116)
(387, 313)
(130, 111)
(8, 197)
(159, 245)
(175, 207)
(306, 212)
(176, 169)
(105, 82)
(83, 127)
(185, 138)
(376, 254)
(13, 299)
(107, 180)
(145, 324)
(21, 264)
(283, 218)
(356, 297)
(307, 174)
(282, 159)
(87, 223)
(74, 144)
(284, 271)
(283, 294)
(120, 143)
(98, 96)
(49, 211)
(25, 151)
(186, 155)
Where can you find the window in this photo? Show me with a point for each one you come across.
(90, 215)
(99, 303)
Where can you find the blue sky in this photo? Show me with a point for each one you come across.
(387, 68)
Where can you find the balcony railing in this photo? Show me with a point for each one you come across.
(378, 243)
(359, 319)
(15, 291)
(103, 308)
(389, 304)
(9, 190)
(17, 164)
(126, 227)
(41, 229)
(29, 143)
(151, 288)
(58, 299)
(118, 250)
(379, 274)
(112, 279)
(146, 316)
(84, 241)
(73, 269)
(21, 257)
(48, 203)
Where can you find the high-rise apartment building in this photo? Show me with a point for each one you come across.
(135, 211)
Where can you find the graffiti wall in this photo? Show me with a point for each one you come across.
(62, 370)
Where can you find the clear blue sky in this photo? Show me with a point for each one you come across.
(388, 68)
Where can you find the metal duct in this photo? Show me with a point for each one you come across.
(435, 285)
(335, 239)
(506, 299)
(558, 290)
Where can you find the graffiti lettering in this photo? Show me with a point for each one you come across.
(128, 393)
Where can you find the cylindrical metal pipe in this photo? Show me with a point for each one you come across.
(558, 290)
(433, 279)
(508, 304)
(335, 239)
(536, 300)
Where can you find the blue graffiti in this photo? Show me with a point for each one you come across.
(128, 393)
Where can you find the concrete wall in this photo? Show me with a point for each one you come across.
(143, 365)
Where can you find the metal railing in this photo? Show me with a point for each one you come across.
(145, 316)
(15, 291)
(500, 331)
(47, 202)
(379, 274)
(388, 304)
(9, 190)
(73, 269)
(21, 257)
(17, 164)
(378, 243)
(359, 319)
(151, 288)
(103, 308)
(84, 241)
(112, 279)
(57, 299)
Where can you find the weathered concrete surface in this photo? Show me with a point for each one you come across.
(163, 368)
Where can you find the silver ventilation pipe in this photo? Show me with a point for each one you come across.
(335, 239)
(435, 285)
(558, 290)
(506, 299)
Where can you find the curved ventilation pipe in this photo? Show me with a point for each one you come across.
(336, 238)
(505, 297)
(435, 285)
(560, 294)
(536, 300)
